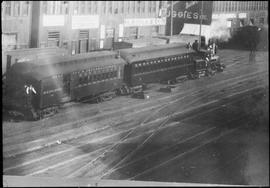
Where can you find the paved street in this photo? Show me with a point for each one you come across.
(211, 130)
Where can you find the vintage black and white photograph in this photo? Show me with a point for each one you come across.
(135, 93)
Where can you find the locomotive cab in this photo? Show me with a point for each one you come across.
(200, 67)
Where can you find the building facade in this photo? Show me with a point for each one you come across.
(15, 22)
(241, 13)
(79, 26)
(83, 26)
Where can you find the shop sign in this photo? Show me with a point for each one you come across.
(144, 22)
(85, 22)
(242, 15)
(53, 20)
(225, 16)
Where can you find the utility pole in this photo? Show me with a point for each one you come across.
(171, 18)
(200, 26)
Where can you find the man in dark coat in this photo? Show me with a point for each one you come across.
(195, 45)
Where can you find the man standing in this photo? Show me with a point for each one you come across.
(214, 48)
(195, 45)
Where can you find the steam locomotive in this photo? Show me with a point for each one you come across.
(38, 87)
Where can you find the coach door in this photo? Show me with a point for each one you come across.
(66, 87)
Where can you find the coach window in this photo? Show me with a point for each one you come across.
(97, 77)
(94, 77)
(106, 75)
(85, 79)
(141, 67)
(135, 68)
(146, 67)
(114, 73)
(80, 80)
(111, 74)
(89, 78)
(149, 66)
(100, 76)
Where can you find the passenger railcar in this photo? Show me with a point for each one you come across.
(158, 63)
(64, 79)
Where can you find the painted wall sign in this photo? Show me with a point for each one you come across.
(85, 22)
(53, 20)
(144, 22)
(188, 12)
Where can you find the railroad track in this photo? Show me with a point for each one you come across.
(243, 78)
(87, 167)
(58, 165)
(72, 137)
(43, 142)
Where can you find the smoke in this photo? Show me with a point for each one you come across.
(219, 30)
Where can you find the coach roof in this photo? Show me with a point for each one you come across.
(61, 65)
(150, 52)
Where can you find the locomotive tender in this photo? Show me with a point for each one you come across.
(40, 86)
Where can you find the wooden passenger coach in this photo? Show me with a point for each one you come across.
(157, 63)
(62, 79)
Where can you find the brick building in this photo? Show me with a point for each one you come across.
(82, 26)
(79, 26)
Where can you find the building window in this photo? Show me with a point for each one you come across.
(138, 6)
(251, 21)
(133, 7)
(154, 6)
(116, 10)
(104, 6)
(16, 8)
(82, 7)
(64, 7)
(53, 38)
(143, 7)
(261, 20)
(8, 8)
(121, 7)
(88, 7)
(95, 7)
(260, 5)
(155, 30)
(265, 5)
(76, 7)
(110, 7)
(58, 5)
(45, 7)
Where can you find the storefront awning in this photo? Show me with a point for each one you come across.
(194, 29)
